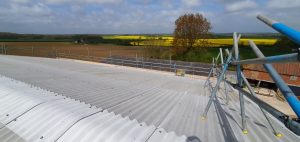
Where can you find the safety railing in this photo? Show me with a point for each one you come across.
(234, 59)
(153, 64)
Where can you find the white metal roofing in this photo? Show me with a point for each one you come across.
(172, 104)
(109, 127)
(14, 93)
(64, 119)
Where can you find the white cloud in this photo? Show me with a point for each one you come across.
(240, 5)
(55, 2)
(138, 16)
(191, 3)
(20, 1)
(20, 13)
(283, 3)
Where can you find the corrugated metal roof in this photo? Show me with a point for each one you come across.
(8, 135)
(163, 136)
(12, 104)
(50, 120)
(163, 100)
(107, 127)
(67, 120)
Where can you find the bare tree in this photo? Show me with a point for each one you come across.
(192, 30)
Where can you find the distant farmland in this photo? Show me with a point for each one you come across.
(141, 46)
(48, 49)
(167, 40)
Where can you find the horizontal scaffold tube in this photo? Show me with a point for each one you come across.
(294, 57)
(282, 28)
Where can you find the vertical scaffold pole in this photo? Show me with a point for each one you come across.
(259, 105)
(217, 58)
(5, 49)
(224, 79)
(239, 81)
(221, 54)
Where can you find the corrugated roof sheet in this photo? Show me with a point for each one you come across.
(67, 120)
(166, 101)
(50, 120)
(107, 126)
(15, 94)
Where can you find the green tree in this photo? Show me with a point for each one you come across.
(191, 31)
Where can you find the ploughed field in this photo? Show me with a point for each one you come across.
(50, 49)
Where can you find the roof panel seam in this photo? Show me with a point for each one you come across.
(156, 128)
(77, 122)
(28, 111)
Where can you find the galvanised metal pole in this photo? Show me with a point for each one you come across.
(207, 80)
(5, 49)
(214, 67)
(239, 81)
(170, 60)
(227, 52)
(215, 89)
(283, 87)
(287, 31)
(209, 74)
(294, 57)
(226, 90)
(136, 59)
(259, 105)
(224, 79)
(217, 58)
(221, 54)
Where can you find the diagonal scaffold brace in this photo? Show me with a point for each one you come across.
(215, 71)
(215, 89)
(259, 105)
(221, 78)
(211, 72)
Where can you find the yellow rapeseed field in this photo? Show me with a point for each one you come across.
(167, 40)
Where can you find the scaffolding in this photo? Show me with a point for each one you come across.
(234, 60)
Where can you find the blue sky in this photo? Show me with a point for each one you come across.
(140, 16)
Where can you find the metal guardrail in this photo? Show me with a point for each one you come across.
(161, 65)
